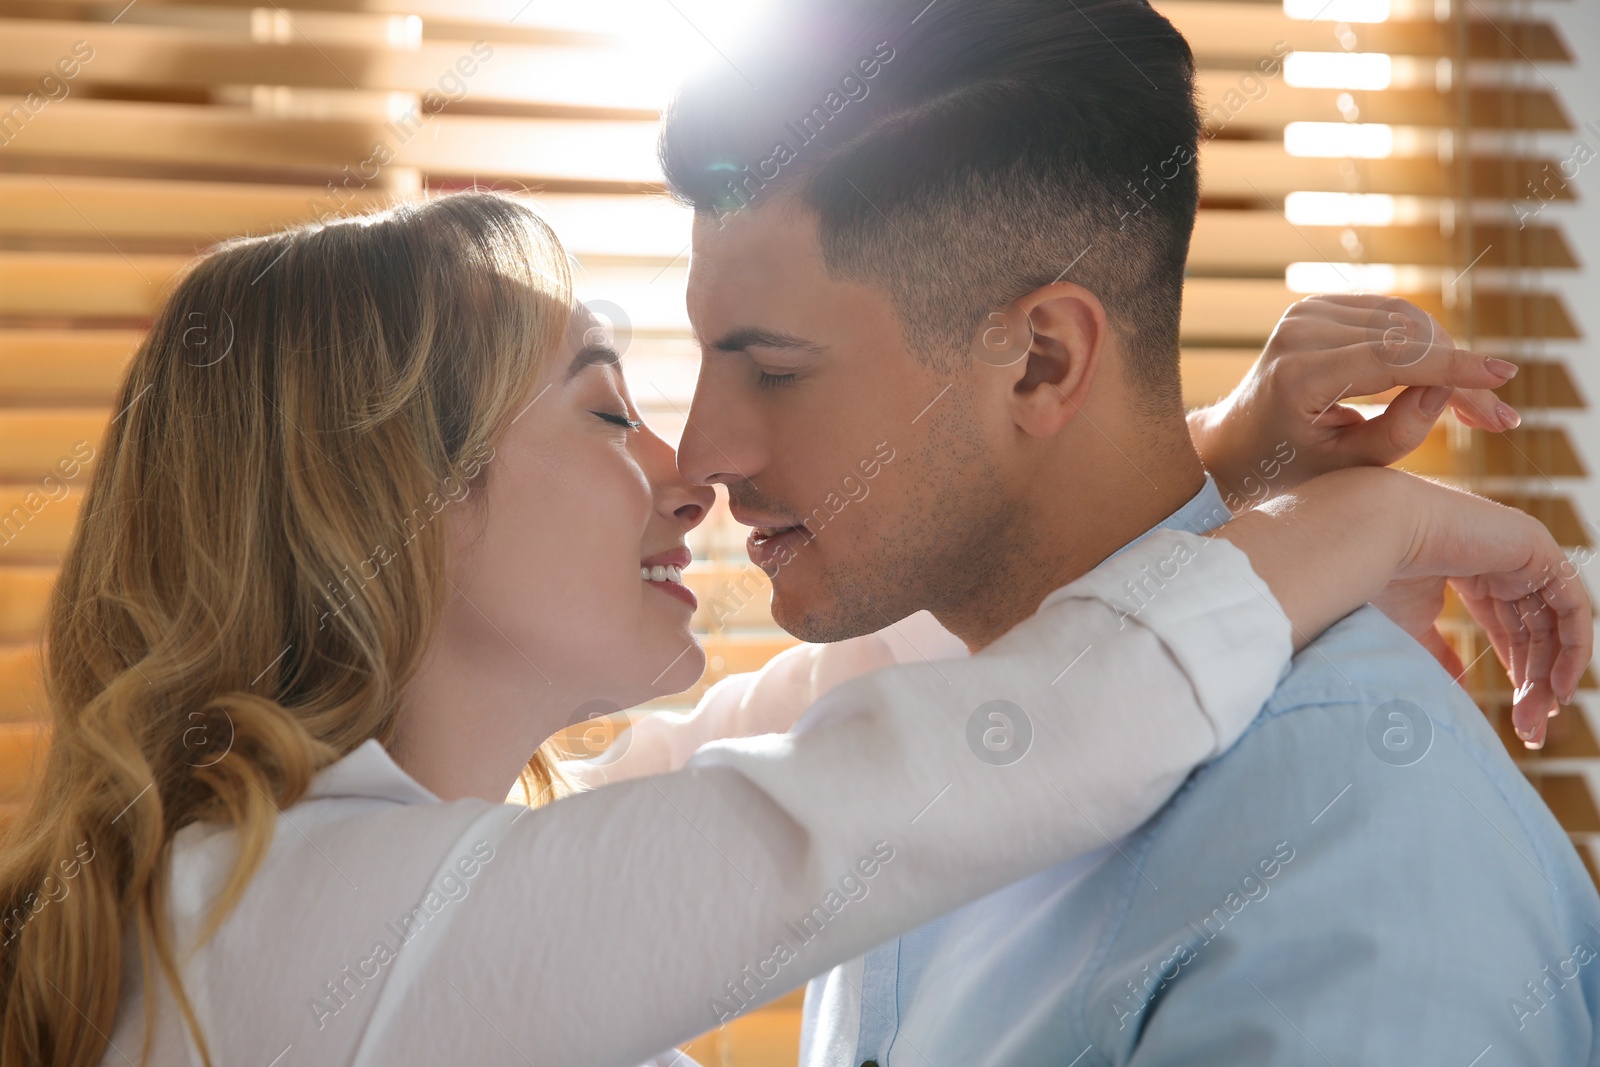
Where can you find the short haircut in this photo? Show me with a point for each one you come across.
(961, 157)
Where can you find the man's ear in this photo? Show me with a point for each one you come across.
(1055, 338)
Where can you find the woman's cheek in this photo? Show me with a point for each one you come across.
(613, 506)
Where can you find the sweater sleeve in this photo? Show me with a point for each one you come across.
(615, 923)
(765, 701)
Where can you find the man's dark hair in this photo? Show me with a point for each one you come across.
(964, 156)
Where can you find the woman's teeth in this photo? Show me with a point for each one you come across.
(662, 574)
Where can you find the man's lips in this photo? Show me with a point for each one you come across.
(762, 533)
(765, 525)
(770, 547)
(773, 539)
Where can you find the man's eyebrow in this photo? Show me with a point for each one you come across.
(755, 337)
(593, 356)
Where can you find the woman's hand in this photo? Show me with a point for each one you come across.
(1284, 424)
(1516, 583)
(1364, 534)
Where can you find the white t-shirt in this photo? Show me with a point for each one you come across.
(386, 927)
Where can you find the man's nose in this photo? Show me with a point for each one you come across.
(723, 439)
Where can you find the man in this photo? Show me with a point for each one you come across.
(947, 246)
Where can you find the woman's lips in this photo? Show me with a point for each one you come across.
(770, 547)
(670, 582)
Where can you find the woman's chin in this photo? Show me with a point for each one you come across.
(687, 662)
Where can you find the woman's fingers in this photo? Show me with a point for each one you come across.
(1444, 652)
(1526, 719)
(1511, 623)
(1538, 698)
(1520, 586)
(1574, 615)
(1352, 361)
(1483, 410)
(1554, 598)
(1544, 640)
(1404, 425)
(1510, 638)
(1561, 649)
(1361, 344)
(1483, 612)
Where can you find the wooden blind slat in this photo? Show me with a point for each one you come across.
(619, 152)
(40, 364)
(1214, 29)
(1266, 240)
(554, 76)
(34, 528)
(24, 592)
(1256, 170)
(22, 750)
(616, 152)
(21, 692)
(50, 441)
(1220, 31)
(616, 226)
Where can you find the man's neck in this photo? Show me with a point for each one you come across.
(1066, 529)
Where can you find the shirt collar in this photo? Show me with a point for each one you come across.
(369, 771)
(1206, 510)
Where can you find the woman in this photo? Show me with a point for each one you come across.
(270, 614)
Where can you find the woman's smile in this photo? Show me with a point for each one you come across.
(664, 571)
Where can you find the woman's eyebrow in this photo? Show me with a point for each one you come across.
(593, 356)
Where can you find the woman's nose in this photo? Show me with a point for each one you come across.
(675, 495)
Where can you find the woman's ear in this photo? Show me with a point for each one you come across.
(1058, 335)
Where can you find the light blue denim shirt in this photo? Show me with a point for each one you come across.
(1364, 878)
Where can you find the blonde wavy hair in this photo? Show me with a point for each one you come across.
(300, 403)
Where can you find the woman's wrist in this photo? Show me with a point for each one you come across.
(1342, 539)
(1208, 429)
(1331, 544)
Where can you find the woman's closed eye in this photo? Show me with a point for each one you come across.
(618, 420)
(767, 380)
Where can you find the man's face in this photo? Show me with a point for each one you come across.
(867, 475)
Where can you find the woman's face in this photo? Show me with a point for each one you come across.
(557, 564)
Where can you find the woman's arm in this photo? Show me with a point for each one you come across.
(764, 701)
(655, 908)
(1395, 539)
(614, 923)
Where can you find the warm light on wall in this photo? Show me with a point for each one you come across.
(1337, 70)
(1338, 10)
(1359, 140)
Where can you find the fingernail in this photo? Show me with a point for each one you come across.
(1535, 745)
(1507, 415)
(1501, 367)
(1433, 399)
